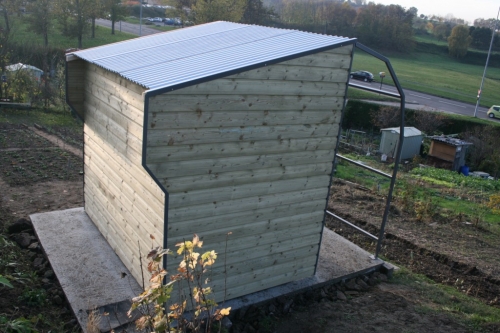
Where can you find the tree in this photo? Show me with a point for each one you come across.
(215, 10)
(180, 9)
(459, 41)
(257, 13)
(388, 27)
(74, 16)
(442, 30)
(481, 37)
(8, 7)
(340, 18)
(40, 18)
(116, 11)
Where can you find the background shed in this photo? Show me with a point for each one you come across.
(452, 151)
(411, 144)
(212, 129)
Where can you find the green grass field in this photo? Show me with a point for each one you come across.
(435, 74)
(22, 34)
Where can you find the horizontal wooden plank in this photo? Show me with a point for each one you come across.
(238, 218)
(97, 213)
(237, 178)
(136, 176)
(219, 208)
(323, 59)
(181, 120)
(158, 154)
(253, 250)
(123, 142)
(117, 79)
(274, 280)
(113, 106)
(128, 95)
(286, 72)
(193, 136)
(240, 102)
(112, 117)
(230, 164)
(130, 227)
(341, 50)
(152, 209)
(265, 87)
(268, 233)
(133, 208)
(190, 198)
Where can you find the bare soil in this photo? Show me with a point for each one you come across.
(449, 252)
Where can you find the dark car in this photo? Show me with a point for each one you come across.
(362, 75)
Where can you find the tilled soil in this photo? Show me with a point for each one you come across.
(458, 254)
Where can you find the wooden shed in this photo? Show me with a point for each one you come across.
(449, 150)
(211, 129)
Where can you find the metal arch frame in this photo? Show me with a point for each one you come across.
(401, 97)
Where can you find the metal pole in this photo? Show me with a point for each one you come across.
(140, 19)
(486, 66)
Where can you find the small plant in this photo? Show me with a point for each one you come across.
(5, 282)
(19, 325)
(34, 297)
(191, 271)
(494, 203)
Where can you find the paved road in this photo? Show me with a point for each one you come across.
(414, 100)
(128, 27)
(421, 101)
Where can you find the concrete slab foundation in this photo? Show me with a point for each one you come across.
(93, 277)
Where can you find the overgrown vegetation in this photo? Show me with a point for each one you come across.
(160, 312)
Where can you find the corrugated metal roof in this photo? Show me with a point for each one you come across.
(166, 59)
(451, 141)
(409, 131)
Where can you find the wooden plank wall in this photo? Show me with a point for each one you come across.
(120, 197)
(251, 154)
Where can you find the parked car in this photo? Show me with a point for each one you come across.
(362, 75)
(494, 112)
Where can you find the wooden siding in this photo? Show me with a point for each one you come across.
(120, 197)
(442, 150)
(251, 154)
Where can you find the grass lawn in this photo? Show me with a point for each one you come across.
(435, 74)
(103, 36)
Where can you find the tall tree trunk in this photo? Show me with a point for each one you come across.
(93, 27)
(113, 26)
(6, 18)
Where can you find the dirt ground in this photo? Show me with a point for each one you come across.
(41, 172)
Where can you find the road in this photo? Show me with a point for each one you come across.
(128, 27)
(420, 101)
(414, 100)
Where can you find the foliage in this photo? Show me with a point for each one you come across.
(19, 325)
(192, 271)
(459, 41)
(4, 281)
(480, 37)
(387, 27)
(457, 180)
(33, 297)
(21, 85)
(494, 203)
(386, 116)
(219, 10)
(40, 18)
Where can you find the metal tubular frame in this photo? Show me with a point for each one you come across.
(401, 97)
